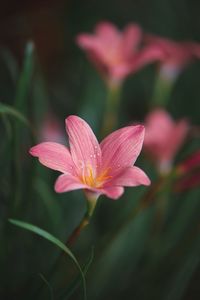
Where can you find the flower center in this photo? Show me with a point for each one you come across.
(113, 57)
(88, 177)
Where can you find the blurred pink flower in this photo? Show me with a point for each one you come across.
(101, 168)
(52, 129)
(188, 173)
(190, 163)
(117, 53)
(176, 55)
(163, 138)
(188, 182)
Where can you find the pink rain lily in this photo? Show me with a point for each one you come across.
(103, 168)
(176, 55)
(116, 53)
(163, 138)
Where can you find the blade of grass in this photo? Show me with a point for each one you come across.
(25, 77)
(46, 235)
(10, 63)
(8, 110)
(181, 280)
(21, 104)
(48, 286)
(69, 291)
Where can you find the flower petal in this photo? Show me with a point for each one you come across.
(54, 156)
(66, 183)
(164, 137)
(159, 127)
(107, 32)
(147, 55)
(121, 148)
(113, 192)
(87, 41)
(132, 176)
(84, 147)
(178, 137)
(131, 39)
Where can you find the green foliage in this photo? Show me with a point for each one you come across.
(46, 235)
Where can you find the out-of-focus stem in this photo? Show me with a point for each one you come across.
(162, 90)
(111, 110)
(157, 188)
(147, 200)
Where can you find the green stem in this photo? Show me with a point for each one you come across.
(91, 204)
(162, 91)
(111, 110)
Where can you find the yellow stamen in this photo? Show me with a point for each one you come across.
(91, 180)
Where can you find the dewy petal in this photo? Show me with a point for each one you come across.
(54, 156)
(131, 176)
(121, 148)
(84, 147)
(113, 192)
(66, 183)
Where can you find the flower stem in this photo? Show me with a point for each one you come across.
(111, 110)
(91, 203)
(162, 90)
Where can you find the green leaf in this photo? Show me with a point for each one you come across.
(25, 77)
(8, 110)
(16, 140)
(48, 286)
(46, 235)
(180, 281)
(68, 292)
(51, 205)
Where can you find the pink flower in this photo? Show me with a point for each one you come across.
(190, 163)
(163, 138)
(188, 182)
(176, 55)
(100, 168)
(117, 54)
(188, 173)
